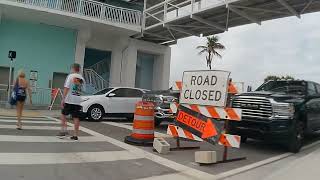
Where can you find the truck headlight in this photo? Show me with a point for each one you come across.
(283, 110)
(158, 100)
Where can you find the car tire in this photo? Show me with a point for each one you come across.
(96, 113)
(157, 122)
(244, 139)
(296, 137)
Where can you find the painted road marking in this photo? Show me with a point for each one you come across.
(63, 158)
(129, 127)
(10, 138)
(184, 170)
(23, 118)
(30, 127)
(175, 176)
(30, 121)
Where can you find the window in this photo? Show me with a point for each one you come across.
(288, 87)
(318, 88)
(104, 91)
(134, 93)
(311, 89)
(121, 92)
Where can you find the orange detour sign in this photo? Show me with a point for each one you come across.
(197, 124)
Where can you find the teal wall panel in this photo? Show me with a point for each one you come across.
(39, 47)
(144, 70)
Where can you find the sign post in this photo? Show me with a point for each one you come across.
(12, 55)
(205, 109)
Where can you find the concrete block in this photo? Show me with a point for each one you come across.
(205, 157)
(161, 145)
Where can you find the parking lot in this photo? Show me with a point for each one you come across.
(35, 153)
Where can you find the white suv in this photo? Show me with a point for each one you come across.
(112, 102)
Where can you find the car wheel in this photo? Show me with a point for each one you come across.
(243, 139)
(96, 113)
(296, 137)
(157, 122)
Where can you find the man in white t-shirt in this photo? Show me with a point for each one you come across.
(73, 88)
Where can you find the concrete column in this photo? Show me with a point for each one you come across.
(82, 38)
(115, 67)
(161, 71)
(130, 64)
(123, 64)
(118, 61)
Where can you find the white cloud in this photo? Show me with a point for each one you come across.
(288, 46)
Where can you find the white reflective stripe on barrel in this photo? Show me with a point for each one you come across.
(140, 131)
(143, 118)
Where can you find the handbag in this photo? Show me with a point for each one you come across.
(13, 97)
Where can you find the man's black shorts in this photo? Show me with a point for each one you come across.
(72, 109)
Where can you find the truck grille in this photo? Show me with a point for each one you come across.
(253, 107)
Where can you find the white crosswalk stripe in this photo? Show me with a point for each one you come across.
(11, 138)
(30, 127)
(29, 121)
(62, 158)
(127, 151)
(129, 127)
(23, 118)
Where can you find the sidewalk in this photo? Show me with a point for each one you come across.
(306, 168)
(30, 113)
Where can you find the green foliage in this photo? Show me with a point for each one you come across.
(211, 48)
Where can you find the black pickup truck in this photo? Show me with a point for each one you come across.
(279, 111)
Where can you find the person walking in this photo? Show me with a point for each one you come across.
(73, 88)
(21, 88)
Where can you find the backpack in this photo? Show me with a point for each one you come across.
(13, 97)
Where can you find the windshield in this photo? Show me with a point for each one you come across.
(287, 87)
(103, 91)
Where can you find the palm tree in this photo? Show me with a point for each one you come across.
(211, 48)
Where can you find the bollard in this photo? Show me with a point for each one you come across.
(143, 125)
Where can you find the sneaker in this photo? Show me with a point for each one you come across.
(75, 138)
(62, 134)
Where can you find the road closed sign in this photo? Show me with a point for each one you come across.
(205, 88)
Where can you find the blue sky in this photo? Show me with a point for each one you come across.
(287, 46)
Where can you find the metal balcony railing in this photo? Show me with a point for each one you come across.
(95, 80)
(91, 9)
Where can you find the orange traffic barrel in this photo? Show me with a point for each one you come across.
(143, 125)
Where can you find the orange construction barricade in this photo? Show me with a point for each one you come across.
(143, 125)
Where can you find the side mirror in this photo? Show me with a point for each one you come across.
(249, 89)
(111, 94)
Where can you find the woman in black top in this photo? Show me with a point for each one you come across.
(21, 88)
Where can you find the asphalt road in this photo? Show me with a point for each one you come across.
(36, 154)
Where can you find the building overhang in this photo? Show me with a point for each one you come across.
(10, 9)
(170, 20)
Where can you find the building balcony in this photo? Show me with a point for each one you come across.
(76, 11)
